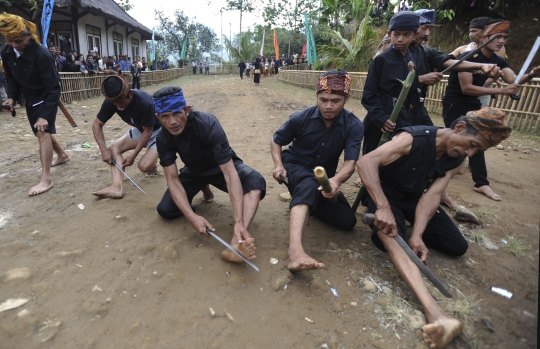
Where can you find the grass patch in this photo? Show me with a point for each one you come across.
(398, 311)
(483, 212)
(476, 236)
(462, 307)
(516, 246)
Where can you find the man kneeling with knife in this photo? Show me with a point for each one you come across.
(204, 149)
(405, 179)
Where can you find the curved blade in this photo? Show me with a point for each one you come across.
(232, 249)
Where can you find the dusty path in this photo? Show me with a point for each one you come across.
(116, 275)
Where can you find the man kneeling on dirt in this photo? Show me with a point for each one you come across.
(136, 108)
(405, 179)
(319, 135)
(204, 149)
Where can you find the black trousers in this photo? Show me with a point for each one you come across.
(303, 188)
(193, 183)
(477, 162)
(441, 233)
(247, 72)
(136, 83)
(242, 74)
(194, 70)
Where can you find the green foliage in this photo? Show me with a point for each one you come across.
(201, 39)
(286, 13)
(124, 4)
(245, 51)
(354, 54)
(240, 5)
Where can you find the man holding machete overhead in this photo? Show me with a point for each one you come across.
(319, 135)
(204, 149)
(464, 88)
(405, 179)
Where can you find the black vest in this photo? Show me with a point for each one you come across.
(410, 175)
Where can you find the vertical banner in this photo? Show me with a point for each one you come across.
(276, 45)
(184, 47)
(152, 48)
(311, 49)
(262, 43)
(46, 16)
(304, 49)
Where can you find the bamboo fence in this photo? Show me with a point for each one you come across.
(522, 115)
(77, 87)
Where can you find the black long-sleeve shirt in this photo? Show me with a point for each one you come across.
(33, 73)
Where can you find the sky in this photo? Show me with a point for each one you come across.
(205, 11)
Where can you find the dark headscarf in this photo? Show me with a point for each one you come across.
(405, 20)
(335, 81)
(426, 16)
(480, 22)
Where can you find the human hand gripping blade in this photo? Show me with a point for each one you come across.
(370, 218)
(232, 249)
(526, 65)
(131, 180)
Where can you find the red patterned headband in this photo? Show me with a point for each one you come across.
(339, 84)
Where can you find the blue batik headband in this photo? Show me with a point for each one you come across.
(171, 103)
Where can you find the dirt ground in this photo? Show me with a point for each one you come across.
(116, 275)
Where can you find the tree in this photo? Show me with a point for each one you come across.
(242, 6)
(287, 14)
(124, 4)
(201, 39)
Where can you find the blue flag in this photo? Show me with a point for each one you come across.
(152, 48)
(311, 51)
(46, 19)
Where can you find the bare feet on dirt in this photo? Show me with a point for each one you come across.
(246, 248)
(487, 191)
(40, 188)
(109, 192)
(152, 172)
(301, 261)
(208, 196)
(438, 334)
(448, 202)
(60, 160)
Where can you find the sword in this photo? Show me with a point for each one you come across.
(526, 65)
(470, 54)
(232, 249)
(131, 180)
(370, 218)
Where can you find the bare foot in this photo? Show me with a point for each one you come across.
(60, 160)
(109, 192)
(301, 261)
(358, 182)
(41, 187)
(246, 248)
(152, 172)
(208, 195)
(487, 191)
(448, 202)
(438, 334)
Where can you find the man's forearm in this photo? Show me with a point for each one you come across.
(179, 196)
(369, 172)
(346, 171)
(234, 187)
(143, 141)
(425, 210)
(463, 66)
(99, 136)
(275, 151)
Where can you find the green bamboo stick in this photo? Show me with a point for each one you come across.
(393, 117)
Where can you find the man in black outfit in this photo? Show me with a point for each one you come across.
(136, 108)
(319, 135)
(242, 67)
(204, 149)
(31, 72)
(464, 88)
(405, 179)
